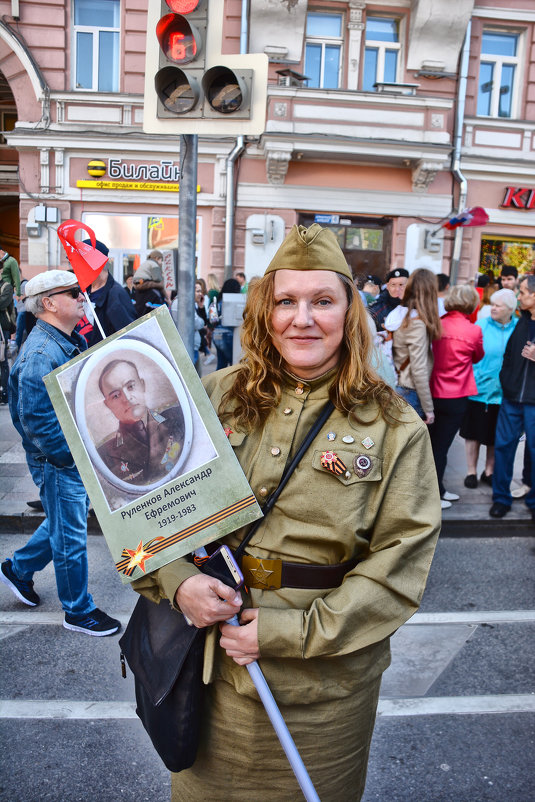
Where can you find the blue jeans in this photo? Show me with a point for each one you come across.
(411, 397)
(223, 338)
(62, 537)
(512, 421)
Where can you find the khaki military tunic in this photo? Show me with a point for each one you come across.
(142, 456)
(323, 647)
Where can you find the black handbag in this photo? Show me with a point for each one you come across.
(165, 655)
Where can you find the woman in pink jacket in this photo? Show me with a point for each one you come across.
(452, 379)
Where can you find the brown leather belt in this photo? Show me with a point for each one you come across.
(263, 574)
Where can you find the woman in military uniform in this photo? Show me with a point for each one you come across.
(342, 560)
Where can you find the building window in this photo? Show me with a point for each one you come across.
(497, 74)
(96, 45)
(323, 50)
(7, 124)
(381, 54)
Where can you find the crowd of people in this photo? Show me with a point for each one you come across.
(380, 380)
(458, 364)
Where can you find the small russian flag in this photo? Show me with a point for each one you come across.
(476, 216)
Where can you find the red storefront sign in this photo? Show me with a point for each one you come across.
(519, 198)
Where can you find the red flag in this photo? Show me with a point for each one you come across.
(84, 259)
(476, 216)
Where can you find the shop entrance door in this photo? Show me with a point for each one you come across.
(365, 241)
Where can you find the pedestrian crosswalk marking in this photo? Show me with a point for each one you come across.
(457, 705)
(388, 708)
(470, 617)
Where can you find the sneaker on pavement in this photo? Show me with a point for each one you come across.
(498, 510)
(450, 496)
(521, 491)
(36, 505)
(486, 478)
(96, 623)
(444, 504)
(22, 589)
(209, 359)
(470, 481)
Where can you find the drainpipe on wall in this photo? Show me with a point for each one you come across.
(236, 152)
(456, 156)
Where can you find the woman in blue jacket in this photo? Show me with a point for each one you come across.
(479, 424)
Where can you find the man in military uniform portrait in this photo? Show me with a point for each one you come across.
(147, 444)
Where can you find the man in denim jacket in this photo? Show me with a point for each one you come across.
(55, 299)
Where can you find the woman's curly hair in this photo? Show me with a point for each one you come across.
(256, 389)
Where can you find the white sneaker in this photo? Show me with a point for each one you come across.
(521, 491)
(450, 496)
(209, 359)
(445, 504)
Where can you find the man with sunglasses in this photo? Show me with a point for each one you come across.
(55, 299)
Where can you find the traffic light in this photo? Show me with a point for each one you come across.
(190, 87)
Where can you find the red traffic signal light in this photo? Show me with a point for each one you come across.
(183, 6)
(179, 40)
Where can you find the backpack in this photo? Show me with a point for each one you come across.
(9, 312)
(213, 313)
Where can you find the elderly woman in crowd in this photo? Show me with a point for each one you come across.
(479, 424)
(356, 530)
(452, 379)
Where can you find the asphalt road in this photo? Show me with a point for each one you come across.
(456, 718)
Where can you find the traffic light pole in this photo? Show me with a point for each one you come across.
(187, 232)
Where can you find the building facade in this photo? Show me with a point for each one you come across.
(382, 119)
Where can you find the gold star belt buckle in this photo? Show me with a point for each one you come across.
(261, 574)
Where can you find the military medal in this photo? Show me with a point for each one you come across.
(348, 439)
(332, 462)
(362, 465)
(228, 431)
(367, 442)
(124, 467)
(167, 455)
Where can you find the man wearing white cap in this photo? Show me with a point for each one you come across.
(55, 299)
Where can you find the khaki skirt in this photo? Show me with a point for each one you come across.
(240, 758)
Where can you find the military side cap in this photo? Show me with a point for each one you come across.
(399, 272)
(313, 248)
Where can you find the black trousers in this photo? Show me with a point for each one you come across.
(449, 414)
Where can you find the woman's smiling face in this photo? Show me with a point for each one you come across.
(308, 320)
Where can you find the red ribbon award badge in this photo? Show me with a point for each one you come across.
(332, 462)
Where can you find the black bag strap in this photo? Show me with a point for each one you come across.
(270, 503)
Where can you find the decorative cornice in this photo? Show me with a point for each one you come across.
(277, 162)
(423, 174)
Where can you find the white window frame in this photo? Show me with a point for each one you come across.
(382, 47)
(499, 62)
(328, 41)
(94, 30)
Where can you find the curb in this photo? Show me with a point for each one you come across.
(488, 527)
(26, 523)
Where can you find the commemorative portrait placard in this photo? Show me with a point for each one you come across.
(154, 458)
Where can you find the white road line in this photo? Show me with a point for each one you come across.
(457, 705)
(471, 617)
(46, 709)
(388, 708)
(475, 617)
(30, 617)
